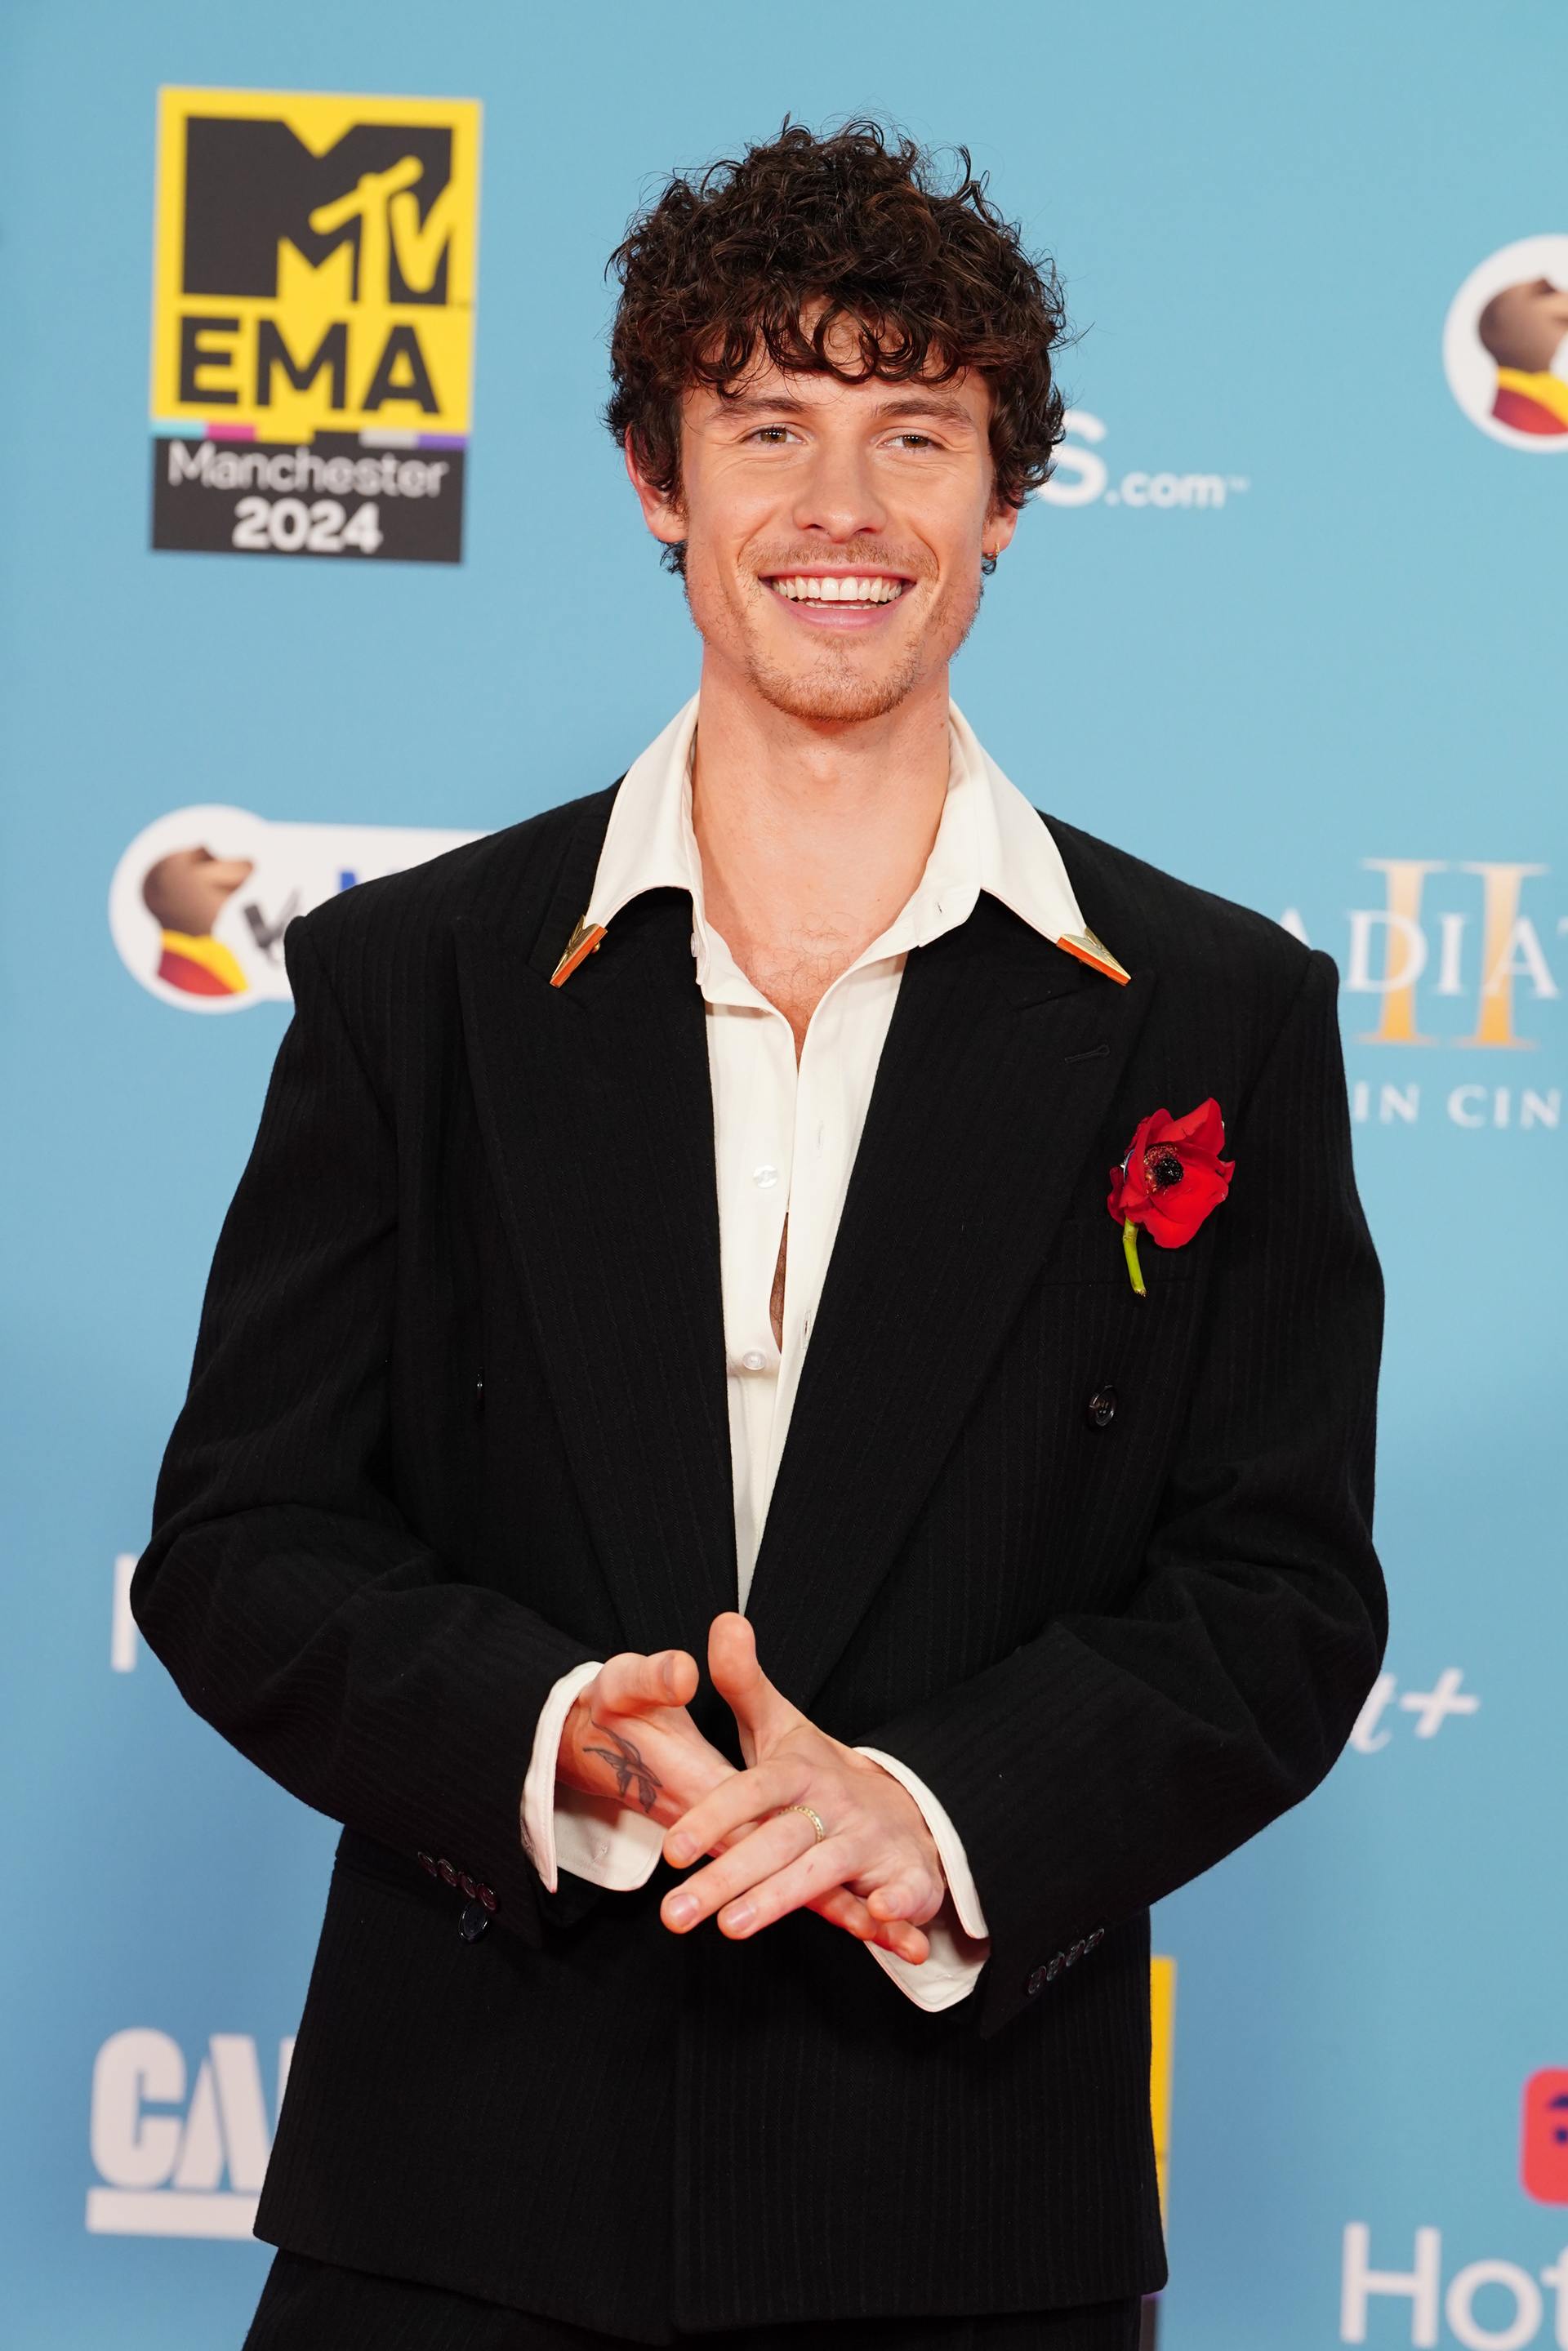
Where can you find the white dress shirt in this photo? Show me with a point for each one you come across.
(784, 1137)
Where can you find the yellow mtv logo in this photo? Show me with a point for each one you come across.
(315, 262)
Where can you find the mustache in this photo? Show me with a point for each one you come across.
(867, 555)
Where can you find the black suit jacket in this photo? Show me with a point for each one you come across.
(456, 1421)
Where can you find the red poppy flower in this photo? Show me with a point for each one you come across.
(1170, 1179)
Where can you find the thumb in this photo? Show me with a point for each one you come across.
(757, 1707)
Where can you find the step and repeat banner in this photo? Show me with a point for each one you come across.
(318, 560)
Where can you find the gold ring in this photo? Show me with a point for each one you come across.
(815, 1818)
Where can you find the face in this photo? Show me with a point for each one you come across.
(187, 890)
(834, 533)
(1522, 326)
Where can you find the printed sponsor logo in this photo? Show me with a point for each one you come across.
(1162, 2018)
(313, 323)
(1485, 2306)
(200, 900)
(122, 1637)
(1505, 345)
(1458, 956)
(1543, 2154)
(180, 2151)
(1428, 1710)
(1083, 476)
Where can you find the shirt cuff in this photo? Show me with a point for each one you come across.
(564, 1828)
(949, 1971)
(958, 1936)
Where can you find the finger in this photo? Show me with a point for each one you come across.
(630, 1683)
(842, 1908)
(831, 1863)
(914, 1899)
(746, 1795)
(756, 1858)
(740, 1681)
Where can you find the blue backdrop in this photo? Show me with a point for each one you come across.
(1287, 623)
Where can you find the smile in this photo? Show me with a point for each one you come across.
(838, 588)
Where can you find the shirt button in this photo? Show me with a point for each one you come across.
(753, 1361)
(694, 942)
(765, 1178)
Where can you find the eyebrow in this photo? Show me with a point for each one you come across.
(934, 403)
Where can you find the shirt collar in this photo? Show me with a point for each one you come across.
(989, 837)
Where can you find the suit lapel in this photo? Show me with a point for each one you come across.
(596, 1106)
(996, 1076)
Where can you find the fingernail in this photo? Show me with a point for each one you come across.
(681, 1848)
(738, 1920)
(680, 1908)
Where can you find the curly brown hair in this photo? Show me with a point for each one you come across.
(930, 280)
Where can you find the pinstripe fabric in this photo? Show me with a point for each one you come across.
(310, 2305)
(456, 1421)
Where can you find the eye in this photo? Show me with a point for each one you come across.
(915, 440)
(771, 434)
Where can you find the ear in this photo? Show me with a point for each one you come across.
(1000, 524)
(664, 517)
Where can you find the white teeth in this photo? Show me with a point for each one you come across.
(801, 587)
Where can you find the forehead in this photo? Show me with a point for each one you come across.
(963, 399)
(964, 396)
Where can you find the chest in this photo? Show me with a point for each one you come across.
(794, 984)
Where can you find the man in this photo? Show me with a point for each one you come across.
(676, 1461)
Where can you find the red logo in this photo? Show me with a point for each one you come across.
(1543, 2154)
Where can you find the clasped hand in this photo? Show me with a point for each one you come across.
(876, 1873)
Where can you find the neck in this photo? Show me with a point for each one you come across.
(812, 834)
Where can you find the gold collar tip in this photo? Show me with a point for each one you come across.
(1096, 954)
(585, 938)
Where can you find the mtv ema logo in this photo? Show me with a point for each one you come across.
(313, 323)
(1486, 2306)
(201, 899)
(1458, 958)
(177, 2153)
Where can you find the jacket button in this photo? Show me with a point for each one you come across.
(479, 1394)
(426, 1863)
(1071, 1958)
(1036, 1979)
(1102, 1407)
(445, 1871)
(486, 1898)
(1095, 1940)
(473, 1922)
(1053, 1968)
(468, 1885)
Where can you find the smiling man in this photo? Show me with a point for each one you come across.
(684, 1459)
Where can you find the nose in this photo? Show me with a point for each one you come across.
(836, 494)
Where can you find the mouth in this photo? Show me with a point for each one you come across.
(841, 598)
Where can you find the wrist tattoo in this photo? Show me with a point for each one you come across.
(628, 1767)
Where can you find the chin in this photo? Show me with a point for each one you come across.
(844, 700)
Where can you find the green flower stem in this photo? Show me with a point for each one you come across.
(1130, 1245)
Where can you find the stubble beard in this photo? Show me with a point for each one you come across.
(832, 688)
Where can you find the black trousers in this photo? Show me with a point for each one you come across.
(310, 2306)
